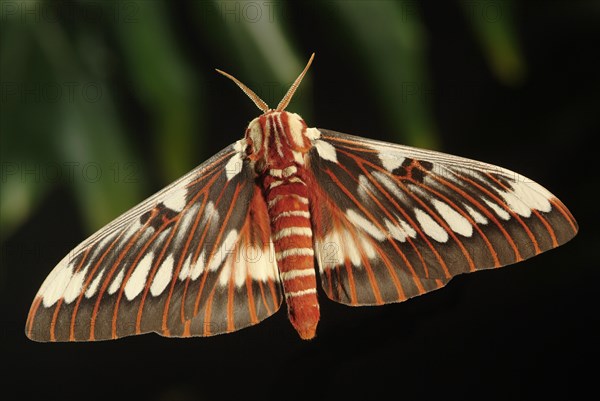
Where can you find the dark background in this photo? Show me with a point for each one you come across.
(103, 103)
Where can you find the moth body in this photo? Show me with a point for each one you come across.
(277, 145)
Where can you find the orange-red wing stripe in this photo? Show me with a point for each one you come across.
(359, 161)
(230, 295)
(513, 214)
(484, 210)
(61, 300)
(251, 304)
(375, 222)
(164, 326)
(446, 228)
(565, 212)
(372, 279)
(392, 271)
(264, 298)
(274, 293)
(102, 289)
(466, 216)
(218, 238)
(548, 227)
(537, 214)
(32, 313)
(134, 265)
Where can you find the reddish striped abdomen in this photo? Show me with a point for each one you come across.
(287, 200)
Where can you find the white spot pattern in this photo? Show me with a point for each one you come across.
(137, 280)
(458, 223)
(430, 227)
(116, 284)
(503, 214)
(176, 200)
(75, 285)
(163, 276)
(477, 217)
(326, 150)
(91, 291)
(364, 224)
(55, 285)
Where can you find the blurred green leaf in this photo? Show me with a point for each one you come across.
(260, 47)
(72, 44)
(493, 24)
(75, 138)
(395, 56)
(163, 83)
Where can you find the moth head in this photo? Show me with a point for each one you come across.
(288, 127)
(259, 129)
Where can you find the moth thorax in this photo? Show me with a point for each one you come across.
(276, 131)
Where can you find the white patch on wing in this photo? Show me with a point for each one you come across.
(533, 195)
(430, 227)
(396, 232)
(365, 188)
(478, 217)
(240, 146)
(212, 214)
(158, 244)
(407, 228)
(391, 186)
(390, 161)
(351, 250)
(163, 276)
(326, 150)
(365, 225)
(329, 251)
(176, 200)
(91, 291)
(240, 268)
(116, 283)
(312, 133)
(210, 210)
(503, 214)
(103, 243)
(185, 268)
(186, 222)
(137, 280)
(225, 274)
(234, 166)
(197, 268)
(259, 268)
(57, 282)
(339, 246)
(368, 248)
(76, 285)
(455, 220)
(224, 250)
(131, 231)
(515, 204)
